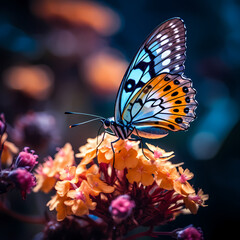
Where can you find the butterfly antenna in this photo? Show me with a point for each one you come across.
(85, 114)
(81, 123)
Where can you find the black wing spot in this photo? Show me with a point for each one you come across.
(176, 110)
(187, 99)
(166, 78)
(186, 110)
(174, 94)
(151, 63)
(178, 102)
(176, 82)
(171, 126)
(168, 87)
(129, 85)
(185, 89)
(178, 120)
(142, 66)
(140, 84)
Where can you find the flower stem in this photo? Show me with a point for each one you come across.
(20, 217)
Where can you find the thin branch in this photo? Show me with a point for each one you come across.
(20, 217)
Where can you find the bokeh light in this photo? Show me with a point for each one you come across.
(34, 81)
(80, 13)
(104, 72)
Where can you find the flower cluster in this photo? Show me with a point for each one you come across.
(123, 185)
(18, 175)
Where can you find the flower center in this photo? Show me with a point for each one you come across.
(196, 199)
(80, 196)
(157, 154)
(183, 179)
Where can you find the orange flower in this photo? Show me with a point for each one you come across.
(159, 153)
(98, 185)
(64, 157)
(104, 150)
(48, 173)
(57, 203)
(68, 177)
(181, 184)
(143, 172)
(9, 149)
(78, 189)
(82, 169)
(165, 176)
(79, 201)
(44, 182)
(126, 159)
(126, 144)
(105, 155)
(91, 146)
(193, 201)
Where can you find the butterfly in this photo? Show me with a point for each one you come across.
(154, 96)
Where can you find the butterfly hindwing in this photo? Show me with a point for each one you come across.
(163, 51)
(166, 102)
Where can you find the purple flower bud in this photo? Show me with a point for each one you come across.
(190, 233)
(24, 180)
(2, 124)
(26, 159)
(121, 208)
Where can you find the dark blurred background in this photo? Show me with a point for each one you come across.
(65, 55)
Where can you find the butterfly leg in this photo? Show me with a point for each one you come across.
(98, 135)
(113, 150)
(98, 144)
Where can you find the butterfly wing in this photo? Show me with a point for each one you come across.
(166, 102)
(162, 51)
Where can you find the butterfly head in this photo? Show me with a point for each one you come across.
(107, 122)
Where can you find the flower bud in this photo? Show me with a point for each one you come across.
(190, 233)
(2, 124)
(26, 159)
(121, 208)
(23, 179)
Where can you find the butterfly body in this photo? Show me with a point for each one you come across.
(118, 129)
(125, 131)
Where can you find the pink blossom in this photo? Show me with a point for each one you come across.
(121, 207)
(2, 124)
(24, 180)
(190, 233)
(26, 159)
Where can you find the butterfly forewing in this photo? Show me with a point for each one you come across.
(162, 52)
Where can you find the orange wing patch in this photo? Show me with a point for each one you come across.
(167, 101)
